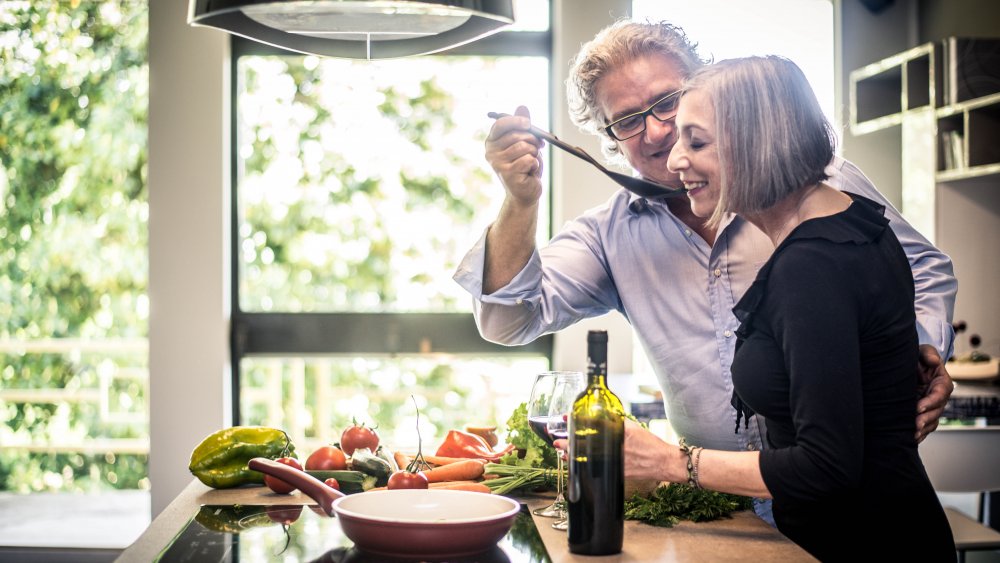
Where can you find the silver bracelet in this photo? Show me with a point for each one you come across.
(696, 454)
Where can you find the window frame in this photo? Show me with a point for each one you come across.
(370, 334)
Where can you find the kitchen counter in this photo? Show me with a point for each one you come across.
(744, 537)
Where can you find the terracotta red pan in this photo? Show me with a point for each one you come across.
(422, 523)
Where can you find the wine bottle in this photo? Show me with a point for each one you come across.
(596, 491)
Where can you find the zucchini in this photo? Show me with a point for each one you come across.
(350, 481)
(364, 460)
(385, 454)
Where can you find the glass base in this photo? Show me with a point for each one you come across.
(550, 511)
(561, 525)
(555, 510)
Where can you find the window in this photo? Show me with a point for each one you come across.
(73, 304)
(359, 187)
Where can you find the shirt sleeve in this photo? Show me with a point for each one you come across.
(933, 274)
(819, 338)
(564, 282)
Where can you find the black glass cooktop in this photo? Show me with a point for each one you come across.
(293, 534)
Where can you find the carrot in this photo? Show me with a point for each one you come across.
(449, 485)
(466, 470)
(442, 460)
(462, 486)
(402, 460)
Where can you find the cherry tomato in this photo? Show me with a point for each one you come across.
(277, 485)
(284, 514)
(407, 480)
(332, 483)
(358, 436)
(327, 458)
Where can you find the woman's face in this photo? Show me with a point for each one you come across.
(695, 156)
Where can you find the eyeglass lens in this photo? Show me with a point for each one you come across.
(631, 125)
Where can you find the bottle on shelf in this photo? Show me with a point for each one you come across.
(596, 490)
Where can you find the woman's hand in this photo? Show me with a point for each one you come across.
(649, 457)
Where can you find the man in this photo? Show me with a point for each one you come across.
(674, 278)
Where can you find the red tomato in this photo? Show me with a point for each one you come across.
(407, 480)
(326, 458)
(277, 485)
(358, 436)
(332, 483)
(284, 514)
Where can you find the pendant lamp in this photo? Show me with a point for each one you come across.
(356, 29)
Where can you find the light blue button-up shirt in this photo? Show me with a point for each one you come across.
(635, 257)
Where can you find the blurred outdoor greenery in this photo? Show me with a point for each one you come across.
(360, 186)
(73, 261)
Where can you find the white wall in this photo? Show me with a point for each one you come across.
(188, 243)
(577, 185)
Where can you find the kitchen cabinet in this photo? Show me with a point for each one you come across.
(940, 102)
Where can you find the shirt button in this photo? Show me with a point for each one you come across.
(717, 272)
(687, 232)
(727, 334)
(751, 447)
(520, 301)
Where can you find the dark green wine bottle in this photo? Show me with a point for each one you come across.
(596, 490)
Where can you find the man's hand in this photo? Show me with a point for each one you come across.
(515, 155)
(935, 386)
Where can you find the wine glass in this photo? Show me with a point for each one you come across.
(539, 408)
(564, 394)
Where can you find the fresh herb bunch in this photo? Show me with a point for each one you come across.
(504, 478)
(537, 453)
(669, 504)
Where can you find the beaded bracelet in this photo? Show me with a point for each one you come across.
(692, 474)
(694, 470)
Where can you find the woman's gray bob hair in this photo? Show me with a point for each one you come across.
(772, 137)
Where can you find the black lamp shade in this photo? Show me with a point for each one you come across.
(356, 29)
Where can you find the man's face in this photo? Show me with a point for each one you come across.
(632, 88)
(696, 154)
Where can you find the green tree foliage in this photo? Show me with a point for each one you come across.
(358, 192)
(73, 208)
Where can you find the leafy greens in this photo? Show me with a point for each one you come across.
(530, 450)
(669, 504)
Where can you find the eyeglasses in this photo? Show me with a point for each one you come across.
(631, 125)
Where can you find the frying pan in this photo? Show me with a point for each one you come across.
(423, 523)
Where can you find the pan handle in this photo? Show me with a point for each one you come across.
(309, 485)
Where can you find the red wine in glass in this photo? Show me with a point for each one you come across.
(540, 425)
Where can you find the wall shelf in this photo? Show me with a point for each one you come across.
(959, 78)
(940, 102)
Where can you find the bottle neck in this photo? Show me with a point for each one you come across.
(597, 379)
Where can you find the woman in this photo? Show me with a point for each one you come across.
(827, 340)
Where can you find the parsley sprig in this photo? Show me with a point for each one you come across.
(669, 504)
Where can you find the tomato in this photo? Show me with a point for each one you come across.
(332, 483)
(407, 480)
(358, 436)
(277, 485)
(327, 458)
(284, 514)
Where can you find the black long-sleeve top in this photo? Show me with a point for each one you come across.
(827, 353)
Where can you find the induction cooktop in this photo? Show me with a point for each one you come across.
(295, 533)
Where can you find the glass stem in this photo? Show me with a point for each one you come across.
(559, 478)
